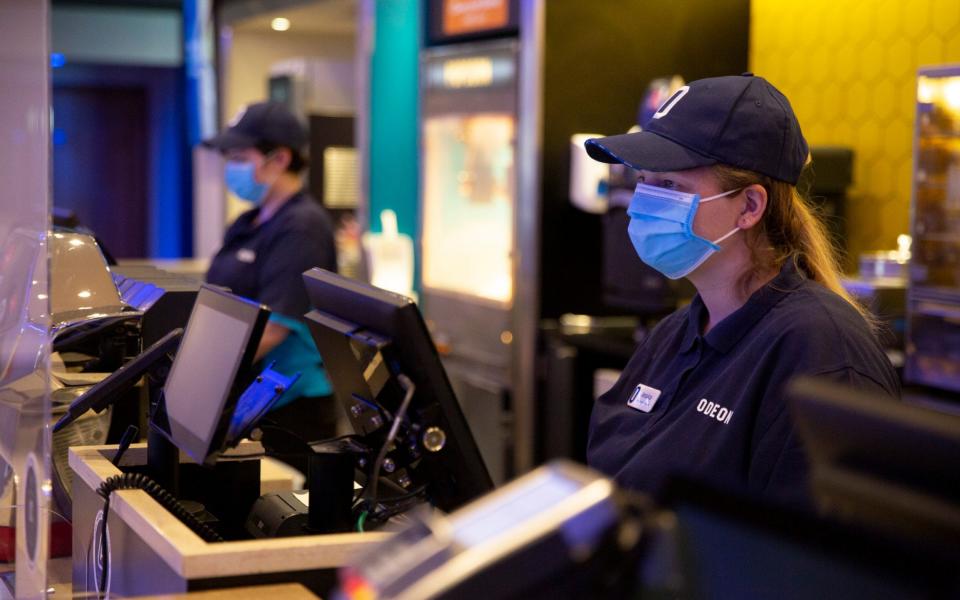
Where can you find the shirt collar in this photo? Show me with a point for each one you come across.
(247, 219)
(729, 331)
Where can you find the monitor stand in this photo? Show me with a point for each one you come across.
(330, 475)
(163, 460)
(326, 506)
(163, 456)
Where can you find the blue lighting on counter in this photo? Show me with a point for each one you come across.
(57, 60)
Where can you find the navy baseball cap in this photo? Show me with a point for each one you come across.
(270, 122)
(740, 120)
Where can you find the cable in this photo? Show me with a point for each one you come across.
(385, 513)
(138, 481)
(396, 506)
(405, 496)
(24, 506)
(129, 435)
(104, 547)
(361, 520)
(409, 388)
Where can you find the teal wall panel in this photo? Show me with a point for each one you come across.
(394, 91)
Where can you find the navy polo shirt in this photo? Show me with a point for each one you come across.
(265, 263)
(713, 407)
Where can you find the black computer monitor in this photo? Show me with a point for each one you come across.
(108, 391)
(881, 462)
(368, 337)
(212, 368)
(728, 545)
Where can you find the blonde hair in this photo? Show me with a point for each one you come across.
(789, 230)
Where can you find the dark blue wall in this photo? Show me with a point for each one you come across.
(169, 189)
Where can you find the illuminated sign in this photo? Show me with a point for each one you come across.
(455, 21)
(472, 16)
(470, 72)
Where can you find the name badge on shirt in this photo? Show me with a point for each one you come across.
(643, 398)
(246, 255)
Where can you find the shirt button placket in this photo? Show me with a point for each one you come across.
(687, 363)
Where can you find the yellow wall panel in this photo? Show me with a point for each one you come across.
(849, 68)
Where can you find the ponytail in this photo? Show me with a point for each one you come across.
(790, 230)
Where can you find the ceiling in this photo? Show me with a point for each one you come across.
(320, 16)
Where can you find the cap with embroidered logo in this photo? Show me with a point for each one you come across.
(740, 120)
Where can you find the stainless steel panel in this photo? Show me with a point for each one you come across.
(526, 314)
(469, 329)
(482, 396)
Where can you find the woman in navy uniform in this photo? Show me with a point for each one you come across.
(716, 202)
(267, 249)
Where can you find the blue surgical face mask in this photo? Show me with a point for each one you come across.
(661, 229)
(241, 181)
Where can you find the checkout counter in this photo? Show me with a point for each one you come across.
(436, 528)
(439, 529)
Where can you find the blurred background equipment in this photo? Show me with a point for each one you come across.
(657, 93)
(933, 293)
(389, 257)
(588, 178)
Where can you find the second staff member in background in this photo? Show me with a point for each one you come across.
(267, 249)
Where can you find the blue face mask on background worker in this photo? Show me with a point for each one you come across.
(661, 229)
(240, 178)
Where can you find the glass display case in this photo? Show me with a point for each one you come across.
(468, 205)
(933, 327)
(469, 185)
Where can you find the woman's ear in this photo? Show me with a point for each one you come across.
(754, 207)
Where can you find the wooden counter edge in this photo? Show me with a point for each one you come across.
(287, 591)
(189, 556)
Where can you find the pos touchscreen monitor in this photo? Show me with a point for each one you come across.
(374, 344)
(212, 368)
(111, 389)
(883, 463)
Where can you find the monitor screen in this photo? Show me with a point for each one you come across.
(210, 370)
(368, 337)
